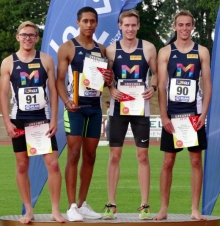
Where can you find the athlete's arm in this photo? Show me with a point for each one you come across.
(206, 80)
(66, 53)
(110, 54)
(163, 57)
(6, 69)
(150, 54)
(48, 64)
(107, 75)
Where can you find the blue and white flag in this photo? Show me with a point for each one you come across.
(211, 181)
(60, 27)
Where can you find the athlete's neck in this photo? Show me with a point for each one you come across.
(129, 45)
(85, 41)
(26, 56)
(184, 46)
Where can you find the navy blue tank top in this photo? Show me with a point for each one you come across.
(29, 80)
(185, 70)
(129, 66)
(77, 65)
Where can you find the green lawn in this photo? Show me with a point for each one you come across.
(128, 193)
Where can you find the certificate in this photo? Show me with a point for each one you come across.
(36, 140)
(185, 127)
(91, 76)
(133, 102)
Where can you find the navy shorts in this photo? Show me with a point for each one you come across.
(118, 126)
(85, 122)
(19, 144)
(167, 143)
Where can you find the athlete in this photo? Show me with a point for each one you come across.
(82, 125)
(130, 58)
(29, 73)
(180, 62)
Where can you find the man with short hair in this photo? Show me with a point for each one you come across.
(28, 68)
(183, 60)
(82, 125)
(130, 53)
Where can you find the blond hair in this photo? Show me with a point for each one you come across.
(129, 13)
(184, 13)
(28, 24)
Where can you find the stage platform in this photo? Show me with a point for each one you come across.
(123, 219)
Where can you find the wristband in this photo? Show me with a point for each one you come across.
(110, 84)
(154, 87)
(66, 102)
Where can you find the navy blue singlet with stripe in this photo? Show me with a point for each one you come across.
(129, 66)
(185, 66)
(77, 65)
(23, 75)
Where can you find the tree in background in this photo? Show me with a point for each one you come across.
(156, 17)
(204, 12)
(149, 22)
(12, 13)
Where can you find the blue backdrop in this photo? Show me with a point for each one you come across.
(211, 181)
(61, 26)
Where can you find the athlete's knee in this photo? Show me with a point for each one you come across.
(114, 158)
(53, 166)
(22, 167)
(168, 164)
(196, 163)
(73, 157)
(89, 157)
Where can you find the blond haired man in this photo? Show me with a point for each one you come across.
(16, 72)
(130, 53)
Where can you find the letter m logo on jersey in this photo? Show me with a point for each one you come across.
(135, 69)
(190, 68)
(25, 76)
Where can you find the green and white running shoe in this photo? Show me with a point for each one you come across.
(145, 212)
(110, 212)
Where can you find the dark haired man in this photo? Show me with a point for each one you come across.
(82, 125)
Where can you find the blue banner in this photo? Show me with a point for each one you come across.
(211, 181)
(61, 26)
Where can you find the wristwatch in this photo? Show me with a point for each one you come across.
(154, 87)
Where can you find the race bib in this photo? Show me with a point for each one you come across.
(31, 98)
(85, 91)
(182, 90)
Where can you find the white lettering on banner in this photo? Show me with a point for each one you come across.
(106, 9)
(74, 32)
(155, 127)
(54, 45)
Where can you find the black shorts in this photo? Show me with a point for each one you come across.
(19, 144)
(167, 144)
(118, 126)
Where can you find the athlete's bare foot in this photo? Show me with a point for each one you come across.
(162, 215)
(196, 215)
(27, 218)
(56, 216)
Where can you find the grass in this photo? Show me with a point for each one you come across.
(128, 193)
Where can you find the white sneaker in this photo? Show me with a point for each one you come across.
(87, 212)
(73, 213)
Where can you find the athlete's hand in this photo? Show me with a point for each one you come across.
(52, 129)
(148, 93)
(116, 94)
(108, 76)
(167, 124)
(10, 130)
(70, 106)
(201, 122)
